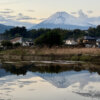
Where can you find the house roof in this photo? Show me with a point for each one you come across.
(89, 38)
(15, 39)
(98, 40)
(23, 39)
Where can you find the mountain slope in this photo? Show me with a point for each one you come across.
(67, 79)
(3, 28)
(62, 26)
(67, 21)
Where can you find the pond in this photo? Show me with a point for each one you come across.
(52, 82)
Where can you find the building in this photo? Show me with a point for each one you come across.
(98, 42)
(71, 42)
(28, 43)
(89, 41)
(17, 40)
(22, 41)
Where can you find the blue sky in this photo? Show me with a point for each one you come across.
(34, 11)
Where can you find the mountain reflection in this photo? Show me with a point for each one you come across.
(80, 79)
(90, 94)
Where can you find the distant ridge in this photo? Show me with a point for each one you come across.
(3, 28)
(62, 26)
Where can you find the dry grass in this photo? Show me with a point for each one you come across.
(65, 51)
(55, 51)
(73, 54)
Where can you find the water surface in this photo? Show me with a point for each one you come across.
(35, 84)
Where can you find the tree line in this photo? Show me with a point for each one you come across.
(50, 36)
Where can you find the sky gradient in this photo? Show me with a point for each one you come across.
(35, 11)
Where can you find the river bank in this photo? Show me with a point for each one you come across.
(50, 54)
(48, 66)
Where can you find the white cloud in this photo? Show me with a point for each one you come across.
(6, 11)
(24, 17)
(73, 13)
(82, 14)
(89, 11)
(31, 10)
(9, 20)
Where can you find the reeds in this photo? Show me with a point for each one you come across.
(52, 51)
(66, 51)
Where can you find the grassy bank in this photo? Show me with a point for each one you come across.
(76, 54)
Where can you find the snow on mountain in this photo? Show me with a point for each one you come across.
(59, 18)
(68, 21)
(67, 79)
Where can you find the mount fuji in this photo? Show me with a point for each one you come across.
(67, 21)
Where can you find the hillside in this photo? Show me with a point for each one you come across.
(3, 28)
(67, 21)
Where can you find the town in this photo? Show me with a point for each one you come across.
(21, 37)
(85, 42)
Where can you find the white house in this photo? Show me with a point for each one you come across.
(22, 41)
(71, 42)
(17, 40)
(98, 42)
(28, 43)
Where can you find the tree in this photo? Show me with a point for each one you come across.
(16, 31)
(17, 45)
(49, 39)
(98, 31)
(6, 44)
(92, 31)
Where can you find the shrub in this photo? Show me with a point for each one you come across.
(49, 39)
(6, 44)
(17, 45)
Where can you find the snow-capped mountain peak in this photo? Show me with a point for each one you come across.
(65, 20)
(59, 18)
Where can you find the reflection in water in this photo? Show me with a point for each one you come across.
(51, 82)
(90, 94)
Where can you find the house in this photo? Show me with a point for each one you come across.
(0, 45)
(17, 40)
(71, 42)
(28, 43)
(98, 42)
(22, 41)
(89, 41)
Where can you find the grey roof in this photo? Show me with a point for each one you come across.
(89, 38)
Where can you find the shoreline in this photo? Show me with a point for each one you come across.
(44, 67)
(51, 54)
